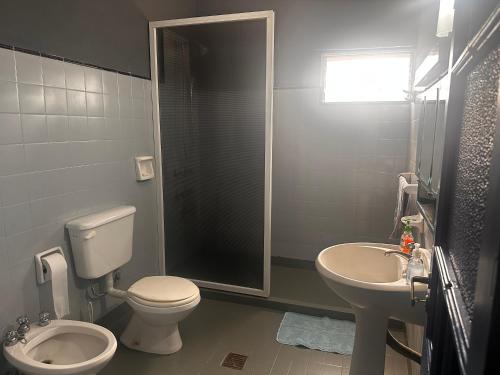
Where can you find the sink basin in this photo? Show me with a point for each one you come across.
(374, 285)
(63, 347)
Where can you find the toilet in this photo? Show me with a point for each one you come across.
(102, 243)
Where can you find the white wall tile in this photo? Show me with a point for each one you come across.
(59, 171)
(14, 189)
(8, 97)
(96, 128)
(57, 127)
(111, 108)
(124, 85)
(110, 83)
(31, 99)
(29, 68)
(125, 103)
(138, 108)
(77, 128)
(17, 218)
(94, 105)
(55, 101)
(137, 87)
(12, 159)
(7, 65)
(76, 103)
(75, 77)
(10, 128)
(53, 73)
(37, 156)
(34, 128)
(93, 80)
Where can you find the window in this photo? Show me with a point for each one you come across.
(366, 77)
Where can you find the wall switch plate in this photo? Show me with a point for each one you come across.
(144, 169)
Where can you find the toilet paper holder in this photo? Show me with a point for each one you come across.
(41, 272)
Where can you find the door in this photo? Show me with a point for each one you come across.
(463, 305)
(212, 93)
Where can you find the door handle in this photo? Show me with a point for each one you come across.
(418, 279)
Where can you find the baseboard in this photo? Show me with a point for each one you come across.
(293, 263)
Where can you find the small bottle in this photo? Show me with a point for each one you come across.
(415, 264)
(406, 238)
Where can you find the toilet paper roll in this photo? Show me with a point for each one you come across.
(57, 271)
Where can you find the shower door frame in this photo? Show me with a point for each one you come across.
(268, 16)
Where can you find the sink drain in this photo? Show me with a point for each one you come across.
(48, 361)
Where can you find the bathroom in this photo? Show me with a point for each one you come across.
(260, 154)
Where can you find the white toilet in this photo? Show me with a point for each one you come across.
(102, 243)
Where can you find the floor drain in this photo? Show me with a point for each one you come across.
(234, 361)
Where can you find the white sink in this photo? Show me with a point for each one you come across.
(63, 347)
(373, 284)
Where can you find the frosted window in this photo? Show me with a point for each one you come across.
(366, 78)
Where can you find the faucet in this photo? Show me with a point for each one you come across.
(399, 253)
(24, 326)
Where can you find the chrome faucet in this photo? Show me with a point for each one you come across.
(24, 326)
(10, 338)
(399, 253)
(43, 319)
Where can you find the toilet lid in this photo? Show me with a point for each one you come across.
(163, 289)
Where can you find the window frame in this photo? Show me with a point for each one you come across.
(325, 56)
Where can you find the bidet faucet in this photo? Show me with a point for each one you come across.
(43, 319)
(399, 253)
(24, 326)
(10, 338)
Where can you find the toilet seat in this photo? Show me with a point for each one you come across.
(163, 291)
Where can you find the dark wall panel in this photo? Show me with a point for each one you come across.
(111, 34)
(304, 29)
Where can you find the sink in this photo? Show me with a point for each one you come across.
(374, 285)
(63, 347)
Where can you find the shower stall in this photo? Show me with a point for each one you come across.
(212, 81)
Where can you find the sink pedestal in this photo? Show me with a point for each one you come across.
(368, 356)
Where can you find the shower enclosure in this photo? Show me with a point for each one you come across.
(212, 105)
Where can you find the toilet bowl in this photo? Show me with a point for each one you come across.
(63, 347)
(101, 243)
(159, 304)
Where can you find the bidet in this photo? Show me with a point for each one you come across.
(60, 347)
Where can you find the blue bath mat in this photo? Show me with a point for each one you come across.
(325, 334)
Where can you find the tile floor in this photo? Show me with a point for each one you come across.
(216, 328)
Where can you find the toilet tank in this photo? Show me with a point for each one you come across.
(102, 242)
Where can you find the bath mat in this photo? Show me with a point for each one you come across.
(325, 334)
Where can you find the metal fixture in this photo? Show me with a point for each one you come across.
(402, 349)
(418, 279)
(24, 326)
(43, 319)
(398, 253)
(10, 338)
(235, 361)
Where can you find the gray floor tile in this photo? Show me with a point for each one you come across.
(216, 328)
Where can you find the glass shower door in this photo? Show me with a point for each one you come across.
(212, 89)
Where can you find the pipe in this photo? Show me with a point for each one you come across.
(402, 349)
(110, 287)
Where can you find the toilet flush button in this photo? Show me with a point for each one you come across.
(89, 235)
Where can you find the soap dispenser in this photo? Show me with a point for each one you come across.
(415, 264)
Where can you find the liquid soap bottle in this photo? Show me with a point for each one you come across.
(415, 264)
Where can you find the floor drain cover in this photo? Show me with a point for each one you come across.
(234, 360)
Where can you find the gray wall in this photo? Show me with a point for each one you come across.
(334, 166)
(111, 34)
(68, 135)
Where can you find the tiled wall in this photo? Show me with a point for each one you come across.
(68, 135)
(335, 171)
